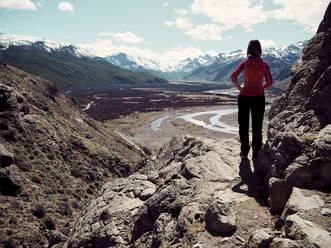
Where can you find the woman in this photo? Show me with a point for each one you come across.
(251, 97)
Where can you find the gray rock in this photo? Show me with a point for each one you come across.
(165, 230)
(144, 241)
(279, 192)
(153, 176)
(10, 183)
(107, 220)
(146, 193)
(188, 215)
(259, 239)
(326, 211)
(197, 245)
(284, 243)
(220, 218)
(12, 100)
(323, 141)
(56, 237)
(6, 158)
(298, 173)
(300, 203)
(299, 229)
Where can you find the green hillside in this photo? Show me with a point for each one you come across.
(67, 71)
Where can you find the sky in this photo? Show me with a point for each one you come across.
(164, 30)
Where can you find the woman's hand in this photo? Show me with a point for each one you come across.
(238, 86)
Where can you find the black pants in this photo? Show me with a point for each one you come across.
(255, 105)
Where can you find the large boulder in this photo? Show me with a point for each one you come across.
(298, 202)
(220, 218)
(306, 232)
(259, 239)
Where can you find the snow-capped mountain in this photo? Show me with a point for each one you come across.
(214, 68)
(145, 64)
(188, 65)
(133, 63)
(7, 40)
(220, 67)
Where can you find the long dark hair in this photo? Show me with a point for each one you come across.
(254, 49)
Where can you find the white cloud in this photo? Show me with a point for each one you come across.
(165, 4)
(205, 32)
(168, 23)
(181, 12)
(103, 47)
(232, 13)
(198, 32)
(66, 6)
(224, 15)
(267, 43)
(306, 12)
(17, 4)
(126, 37)
(183, 23)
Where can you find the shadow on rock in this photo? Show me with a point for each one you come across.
(254, 182)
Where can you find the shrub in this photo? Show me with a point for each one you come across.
(172, 208)
(39, 211)
(52, 197)
(49, 223)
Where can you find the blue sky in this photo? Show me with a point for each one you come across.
(167, 30)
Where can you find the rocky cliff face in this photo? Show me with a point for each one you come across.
(297, 153)
(53, 159)
(298, 149)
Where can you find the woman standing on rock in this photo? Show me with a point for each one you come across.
(251, 97)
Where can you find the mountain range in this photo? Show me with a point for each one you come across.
(216, 68)
(66, 65)
(69, 66)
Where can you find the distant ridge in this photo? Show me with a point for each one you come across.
(66, 65)
(216, 68)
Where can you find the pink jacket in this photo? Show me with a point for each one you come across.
(255, 69)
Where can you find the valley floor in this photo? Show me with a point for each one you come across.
(154, 129)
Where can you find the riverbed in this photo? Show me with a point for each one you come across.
(154, 129)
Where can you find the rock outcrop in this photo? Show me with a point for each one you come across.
(298, 150)
(296, 159)
(191, 192)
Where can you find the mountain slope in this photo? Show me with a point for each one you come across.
(66, 65)
(220, 68)
(53, 159)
